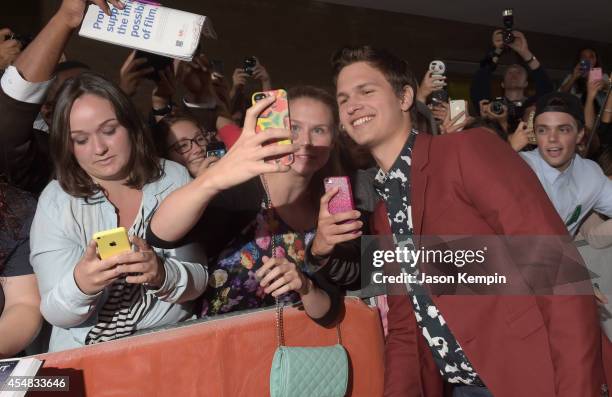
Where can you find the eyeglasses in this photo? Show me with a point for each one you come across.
(185, 145)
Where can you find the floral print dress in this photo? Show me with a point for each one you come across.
(232, 283)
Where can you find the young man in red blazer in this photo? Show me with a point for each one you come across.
(469, 183)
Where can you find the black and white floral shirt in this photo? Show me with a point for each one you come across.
(394, 188)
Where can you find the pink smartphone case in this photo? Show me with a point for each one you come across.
(343, 200)
(595, 74)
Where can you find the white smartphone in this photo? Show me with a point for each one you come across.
(457, 106)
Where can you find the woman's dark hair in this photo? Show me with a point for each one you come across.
(162, 130)
(598, 63)
(334, 166)
(605, 161)
(144, 166)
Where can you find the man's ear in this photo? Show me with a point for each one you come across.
(407, 98)
(502, 85)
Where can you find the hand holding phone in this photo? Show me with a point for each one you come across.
(338, 220)
(457, 106)
(93, 274)
(159, 63)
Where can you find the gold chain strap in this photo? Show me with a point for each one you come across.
(280, 327)
(280, 333)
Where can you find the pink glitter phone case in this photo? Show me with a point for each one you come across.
(343, 200)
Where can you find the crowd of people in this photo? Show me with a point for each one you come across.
(214, 234)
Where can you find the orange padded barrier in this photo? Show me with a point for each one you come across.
(221, 358)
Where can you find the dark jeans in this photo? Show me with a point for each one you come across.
(471, 391)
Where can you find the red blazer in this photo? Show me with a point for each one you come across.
(472, 183)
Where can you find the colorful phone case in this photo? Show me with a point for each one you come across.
(343, 200)
(112, 242)
(275, 116)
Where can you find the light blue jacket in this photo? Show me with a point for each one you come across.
(63, 226)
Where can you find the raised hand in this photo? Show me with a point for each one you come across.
(520, 138)
(279, 276)
(132, 73)
(449, 124)
(166, 87)
(429, 84)
(239, 78)
(73, 11)
(246, 158)
(142, 266)
(593, 87)
(520, 44)
(260, 73)
(9, 49)
(92, 274)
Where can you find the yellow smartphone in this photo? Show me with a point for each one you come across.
(112, 242)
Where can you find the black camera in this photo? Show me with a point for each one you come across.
(497, 106)
(508, 17)
(249, 65)
(23, 39)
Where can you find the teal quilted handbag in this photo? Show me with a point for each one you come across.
(307, 371)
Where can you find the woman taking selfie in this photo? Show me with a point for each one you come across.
(107, 176)
(256, 228)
